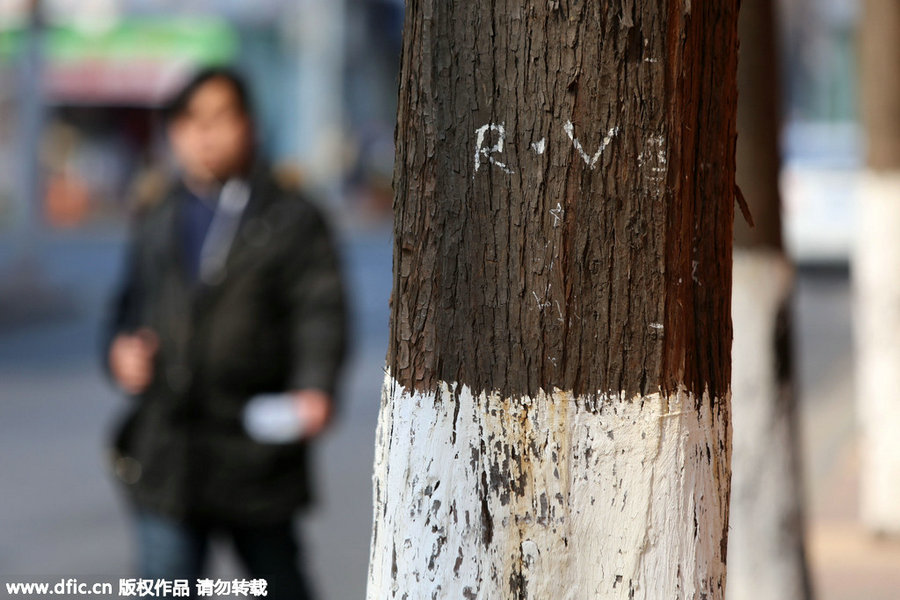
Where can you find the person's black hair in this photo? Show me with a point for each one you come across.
(178, 105)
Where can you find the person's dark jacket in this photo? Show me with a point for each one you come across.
(274, 321)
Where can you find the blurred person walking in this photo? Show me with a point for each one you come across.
(228, 332)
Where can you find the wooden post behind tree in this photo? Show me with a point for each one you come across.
(876, 269)
(555, 415)
(766, 551)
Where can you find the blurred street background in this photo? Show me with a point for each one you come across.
(79, 87)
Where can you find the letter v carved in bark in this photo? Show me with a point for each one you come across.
(590, 161)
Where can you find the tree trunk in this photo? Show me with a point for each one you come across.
(555, 415)
(766, 551)
(876, 270)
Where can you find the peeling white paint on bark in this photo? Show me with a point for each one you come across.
(876, 274)
(765, 529)
(480, 496)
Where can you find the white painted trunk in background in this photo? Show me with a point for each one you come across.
(765, 527)
(623, 501)
(876, 280)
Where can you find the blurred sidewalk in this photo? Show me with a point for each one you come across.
(847, 563)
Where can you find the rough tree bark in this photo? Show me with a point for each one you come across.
(555, 416)
(766, 550)
(876, 269)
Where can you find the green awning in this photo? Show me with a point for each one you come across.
(137, 62)
(200, 41)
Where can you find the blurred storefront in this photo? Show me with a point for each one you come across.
(99, 89)
(108, 65)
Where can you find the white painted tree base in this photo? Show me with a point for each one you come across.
(876, 280)
(765, 537)
(622, 502)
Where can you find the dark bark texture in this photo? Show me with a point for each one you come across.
(583, 240)
(880, 62)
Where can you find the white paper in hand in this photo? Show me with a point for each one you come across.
(273, 419)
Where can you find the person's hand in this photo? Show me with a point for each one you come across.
(131, 360)
(314, 408)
